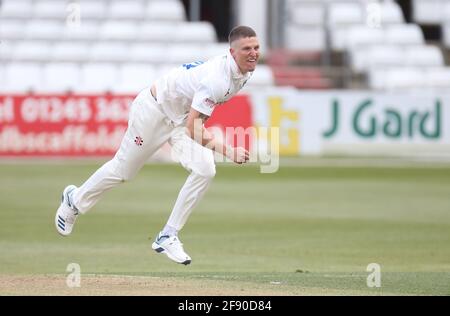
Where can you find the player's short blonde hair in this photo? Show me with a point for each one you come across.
(240, 32)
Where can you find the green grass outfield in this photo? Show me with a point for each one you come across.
(303, 230)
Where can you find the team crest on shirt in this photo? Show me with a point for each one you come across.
(139, 141)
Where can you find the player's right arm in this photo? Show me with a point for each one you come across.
(197, 131)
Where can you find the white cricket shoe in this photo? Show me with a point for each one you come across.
(66, 214)
(172, 247)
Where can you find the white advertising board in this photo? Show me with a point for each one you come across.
(349, 122)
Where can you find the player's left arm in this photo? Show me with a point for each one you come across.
(197, 131)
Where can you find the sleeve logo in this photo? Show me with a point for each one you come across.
(210, 103)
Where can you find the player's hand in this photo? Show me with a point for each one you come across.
(239, 155)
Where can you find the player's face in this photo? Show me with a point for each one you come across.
(245, 52)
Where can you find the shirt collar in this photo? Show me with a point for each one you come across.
(235, 72)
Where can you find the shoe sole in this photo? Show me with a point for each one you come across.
(59, 229)
(65, 191)
(161, 250)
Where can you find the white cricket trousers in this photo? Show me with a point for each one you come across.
(148, 129)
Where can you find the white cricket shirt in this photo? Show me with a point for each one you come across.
(200, 85)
